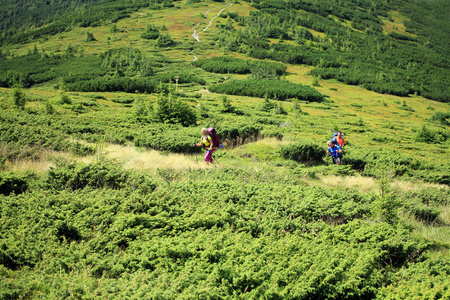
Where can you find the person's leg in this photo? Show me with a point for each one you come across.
(208, 157)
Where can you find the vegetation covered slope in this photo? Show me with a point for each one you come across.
(103, 196)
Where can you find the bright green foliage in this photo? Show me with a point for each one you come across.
(401, 164)
(217, 233)
(304, 152)
(240, 230)
(23, 135)
(427, 280)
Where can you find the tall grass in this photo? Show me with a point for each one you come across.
(436, 233)
(142, 160)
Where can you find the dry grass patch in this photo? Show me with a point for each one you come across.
(397, 25)
(47, 159)
(415, 186)
(360, 183)
(142, 160)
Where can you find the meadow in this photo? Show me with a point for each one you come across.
(103, 195)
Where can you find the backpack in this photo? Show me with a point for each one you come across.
(214, 137)
(334, 138)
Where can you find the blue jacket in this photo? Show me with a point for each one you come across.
(334, 150)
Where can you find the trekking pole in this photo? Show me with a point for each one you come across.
(196, 153)
(215, 159)
(220, 147)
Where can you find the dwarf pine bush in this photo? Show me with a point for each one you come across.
(303, 152)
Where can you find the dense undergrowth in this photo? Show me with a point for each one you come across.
(226, 232)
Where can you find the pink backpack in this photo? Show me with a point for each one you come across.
(214, 137)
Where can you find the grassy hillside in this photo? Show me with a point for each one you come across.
(103, 196)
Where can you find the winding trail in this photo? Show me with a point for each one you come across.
(195, 35)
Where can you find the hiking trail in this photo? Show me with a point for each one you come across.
(195, 35)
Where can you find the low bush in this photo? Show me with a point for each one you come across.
(96, 175)
(226, 65)
(429, 136)
(304, 152)
(12, 183)
(441, 118)
(265, 88)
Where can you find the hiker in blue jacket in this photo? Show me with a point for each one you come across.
(335, 151)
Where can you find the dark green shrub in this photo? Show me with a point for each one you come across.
(425, 214)
(12, 183)
(90, 37)
(430, 196)
(49, 109)
(429, 136)
(303, 152)
(440, 117)
(65, 99)
(164, 40)
(273, 133)
(226, 64)
(265, 88)
(173, 111)
(150, 35)
(19, 98)
(67, 232)
(96, 175)
(267, 105)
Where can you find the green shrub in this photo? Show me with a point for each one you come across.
(65, 99)
(265, 88)
(173, 111)
(12, 183)
(96, 175)
(153, 35)
(303, 152)
(425, 213)
(164, 40)
(19, 98)
(430, 196)
(440, 117)
(49, 108)
(226, 65)
(429, 136)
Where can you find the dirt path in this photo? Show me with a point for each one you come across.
(196, 33)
